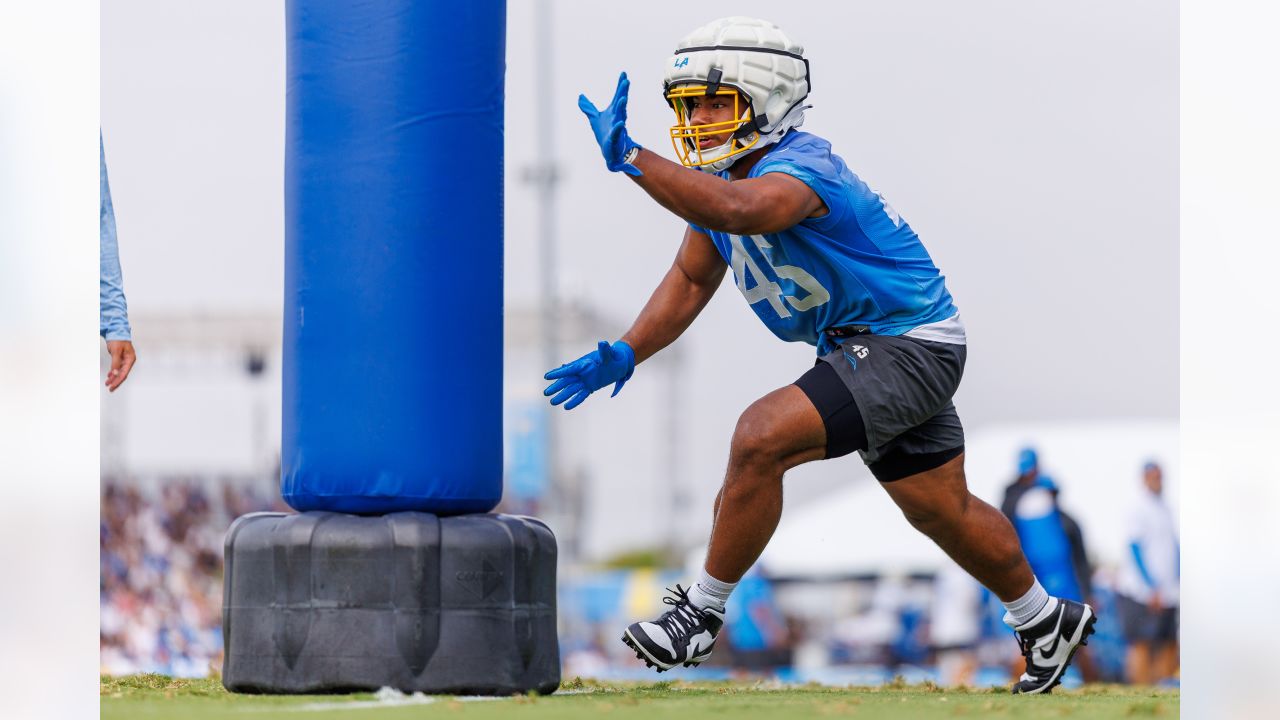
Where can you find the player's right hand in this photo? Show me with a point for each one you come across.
(576, 380)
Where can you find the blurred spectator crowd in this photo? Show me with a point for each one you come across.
(160, 580)
(161, 592)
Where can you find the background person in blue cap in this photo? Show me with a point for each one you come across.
(1028, 471)
(1041, 529)
(1080, 566)
(1029, 478)
(1051, 539)
(1075, 538)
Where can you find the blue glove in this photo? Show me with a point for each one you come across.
(576, 380)
(610, 127)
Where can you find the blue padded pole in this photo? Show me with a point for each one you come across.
(393, 256)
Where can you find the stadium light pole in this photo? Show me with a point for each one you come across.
(678, 498)
(544, 176)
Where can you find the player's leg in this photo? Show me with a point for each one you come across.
(978, 537)
(777, 432)
(937, 502)
(814, 418)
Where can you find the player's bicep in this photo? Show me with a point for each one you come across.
(775, 201)
(699, 260)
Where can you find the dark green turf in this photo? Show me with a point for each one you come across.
(157, 696)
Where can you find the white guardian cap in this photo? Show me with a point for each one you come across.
(756, 59)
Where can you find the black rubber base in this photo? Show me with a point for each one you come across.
(321, 602)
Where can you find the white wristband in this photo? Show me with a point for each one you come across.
(630, 157)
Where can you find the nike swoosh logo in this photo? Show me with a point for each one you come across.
(696, 644)
(1048, 652)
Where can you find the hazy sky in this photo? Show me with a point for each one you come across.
(1033, 146)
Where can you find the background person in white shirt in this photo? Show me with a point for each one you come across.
(955, 627)
(1148, 585)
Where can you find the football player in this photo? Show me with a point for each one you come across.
(821, 258)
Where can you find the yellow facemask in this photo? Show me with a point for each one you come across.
(686, 138)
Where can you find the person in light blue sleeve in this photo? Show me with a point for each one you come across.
(1149, 583)
(821, 258)
(113, 314)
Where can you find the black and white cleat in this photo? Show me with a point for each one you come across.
(684, 635)
(640, 654)
(1049, 645)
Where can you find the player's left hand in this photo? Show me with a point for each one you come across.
(610, 128)
(607, 364)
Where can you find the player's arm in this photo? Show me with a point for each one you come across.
(683, 293)
(765, 204)
(752, 206)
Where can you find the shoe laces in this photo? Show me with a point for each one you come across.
(683, 617)
(1028, 645)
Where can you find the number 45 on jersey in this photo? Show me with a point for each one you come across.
(766, 286)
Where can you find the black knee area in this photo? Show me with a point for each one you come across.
(897, 465)
(846, 432)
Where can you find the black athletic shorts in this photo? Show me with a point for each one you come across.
(1142, 624)
(889, 398)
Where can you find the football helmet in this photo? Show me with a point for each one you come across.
(751, 60)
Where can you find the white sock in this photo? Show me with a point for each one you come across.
(709, 592)
(1035, 605)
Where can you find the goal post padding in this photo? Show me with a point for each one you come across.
(393, 346)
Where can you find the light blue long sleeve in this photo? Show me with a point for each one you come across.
(113, 312)
(1142, 566)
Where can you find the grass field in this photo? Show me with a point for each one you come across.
(158, 696)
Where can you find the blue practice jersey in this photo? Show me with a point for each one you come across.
(860, 264)
(1045, 544)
